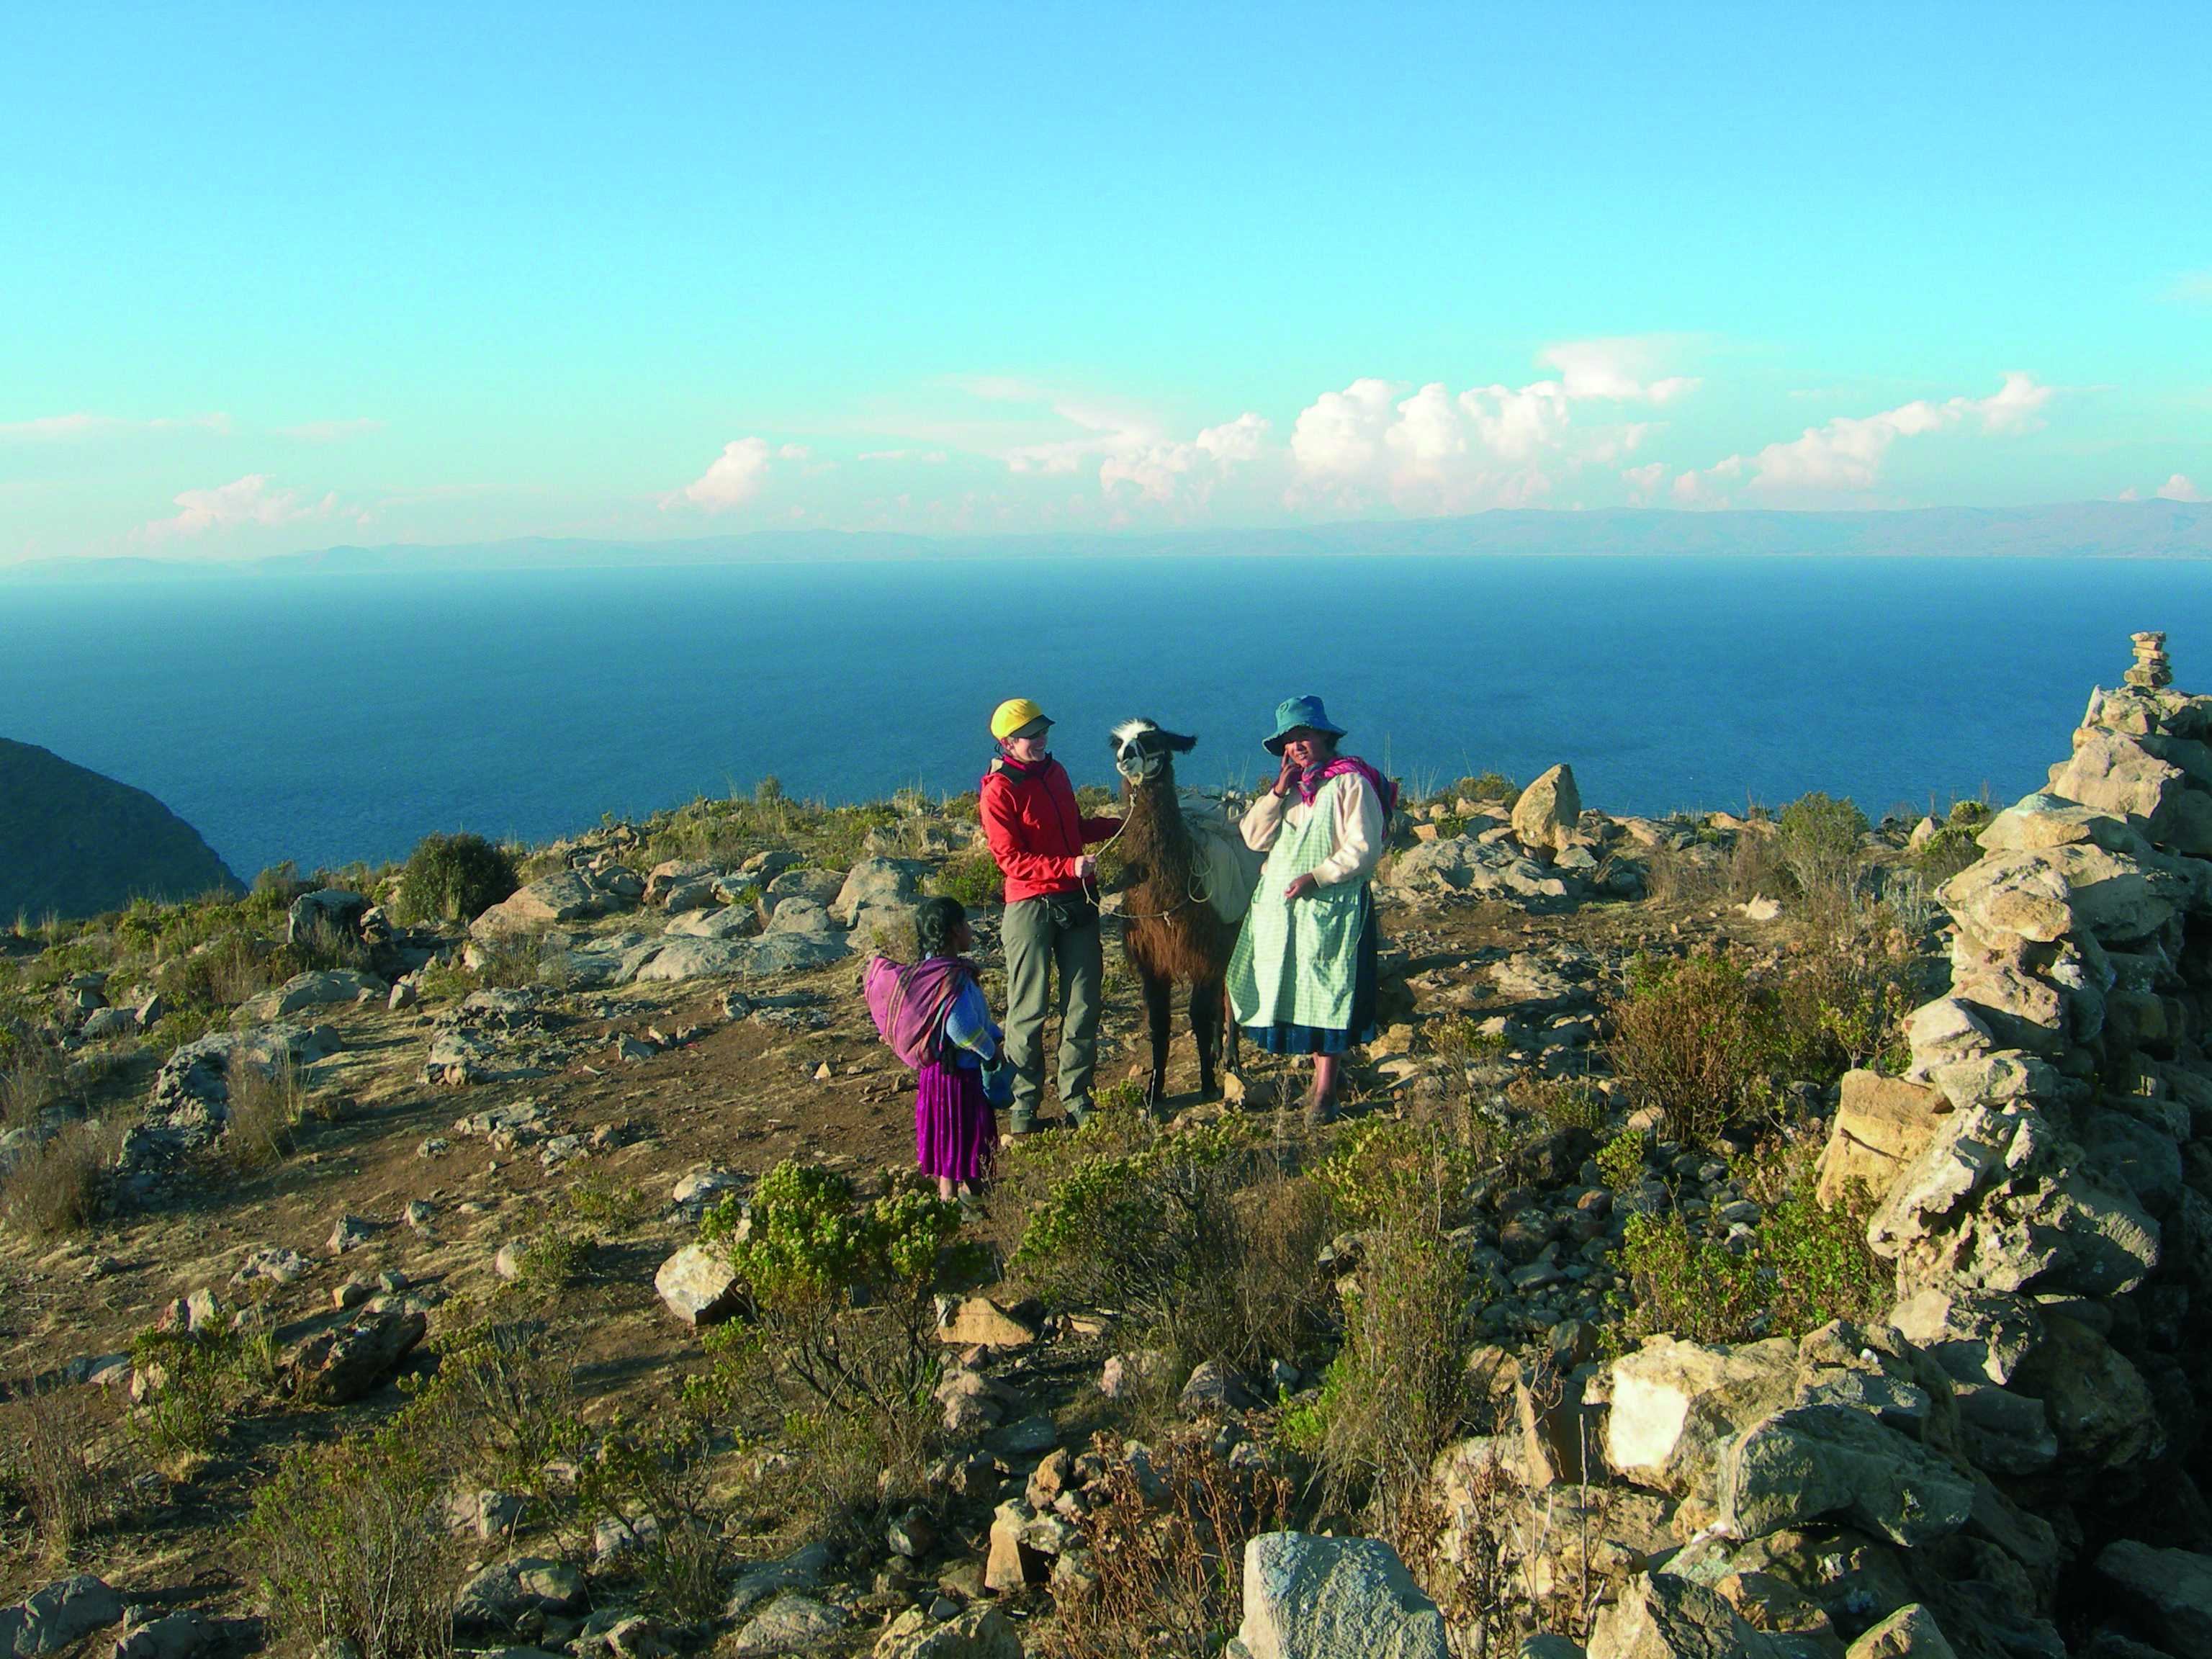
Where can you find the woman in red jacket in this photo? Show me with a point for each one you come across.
(1037, 834)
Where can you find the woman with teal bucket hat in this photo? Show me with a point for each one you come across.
(1303, 979)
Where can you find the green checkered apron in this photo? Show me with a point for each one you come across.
(1297, 960)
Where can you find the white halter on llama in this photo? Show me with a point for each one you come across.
(1226, 870)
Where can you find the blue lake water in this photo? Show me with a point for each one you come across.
(329, 719)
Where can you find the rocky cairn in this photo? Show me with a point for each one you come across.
(2009, 1466)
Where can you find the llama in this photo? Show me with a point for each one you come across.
(1189, 881)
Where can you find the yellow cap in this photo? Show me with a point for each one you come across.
(1010, 717)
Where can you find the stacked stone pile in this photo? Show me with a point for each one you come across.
(2008, 1465)
(2044, 1171)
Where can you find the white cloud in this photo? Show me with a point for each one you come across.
(330, 432)
(1167, 473)
(1845, 455)
(1613, 368)
(48, 428)
(2179, 489)
(738, 474)
(2191, 288)
(246, 500)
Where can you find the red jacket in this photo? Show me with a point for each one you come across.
(1035, 830)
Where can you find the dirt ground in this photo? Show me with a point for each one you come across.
(740, 1097)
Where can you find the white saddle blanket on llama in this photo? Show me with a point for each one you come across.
(1227, 870)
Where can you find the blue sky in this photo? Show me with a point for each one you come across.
(279, 276)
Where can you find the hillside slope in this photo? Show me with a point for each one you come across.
(74, 843)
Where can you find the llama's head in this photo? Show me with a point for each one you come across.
(1143, 751)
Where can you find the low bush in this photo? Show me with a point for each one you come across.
(198, 1383)
(265, 1108)
(1395, 1393)
(47, 1468)
(1821, 843)
(1840, 998)
(1691, 1038)
(1802, 1266)
(1202, 1242)
(650, 1481)
(1169, 1554)
(1949, 850)
(1377, 1161)
(454, 879)
(842, 1346)
(351, 1545)
(974, 878)
(59, 1185)
(1489, 786)
(501, 1415)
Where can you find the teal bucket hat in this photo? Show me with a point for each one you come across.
(1292, 712)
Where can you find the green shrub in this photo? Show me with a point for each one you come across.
(58, 1185)
(1840, 1000)
(455, 878)
(1395, 1393)
(200, 1381)
(1820, 841)
(265, 1108)
(1490, 786)
(501, 1413)
(974, 878)
(1450, 826)
(1970, 814)
(1690, 1038)
(1949, 850)
(351, 1546)
(1379, 1163)
(1804, 1267)
(47, 1467)
(842, 1342)
(1620, 1161)
(651, 1481)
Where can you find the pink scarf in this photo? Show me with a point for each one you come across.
(1310, 783)
(908, 1005)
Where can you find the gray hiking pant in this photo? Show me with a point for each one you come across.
(1034, 947)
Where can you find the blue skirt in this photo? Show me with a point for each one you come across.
(1285, 1037)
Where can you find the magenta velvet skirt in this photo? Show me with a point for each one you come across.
(954, 1133)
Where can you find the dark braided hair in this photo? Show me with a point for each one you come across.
(935, 922)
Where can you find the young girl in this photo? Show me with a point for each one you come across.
(935, 1019)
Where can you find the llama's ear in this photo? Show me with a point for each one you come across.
(1180, 743)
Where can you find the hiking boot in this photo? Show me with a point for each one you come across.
(1020, 1123)
(1078, 1113)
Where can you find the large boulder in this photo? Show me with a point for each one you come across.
(1309, 1597)
(340, 1365)
(680, 959)
(501, 1593)
(1881, 1123)
(1662, 1617)
(1810, 1461)
(564, 895)
(1547, 812)
(980, 1632)
(326, 911)
(1676, 1404)
(697, 1287)
(2047, 894)
(59, 1615)
(2100, 1406)
(791, 1623)
(2167, 1592)
(338, 986)
(877, 882)
(2117, 774)
(1910, 1633)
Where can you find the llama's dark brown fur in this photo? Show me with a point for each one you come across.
(1170, 931)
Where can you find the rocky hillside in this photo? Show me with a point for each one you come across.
(1777, 1238)
(74, 843)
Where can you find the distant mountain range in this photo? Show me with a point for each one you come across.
(2110, 530)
